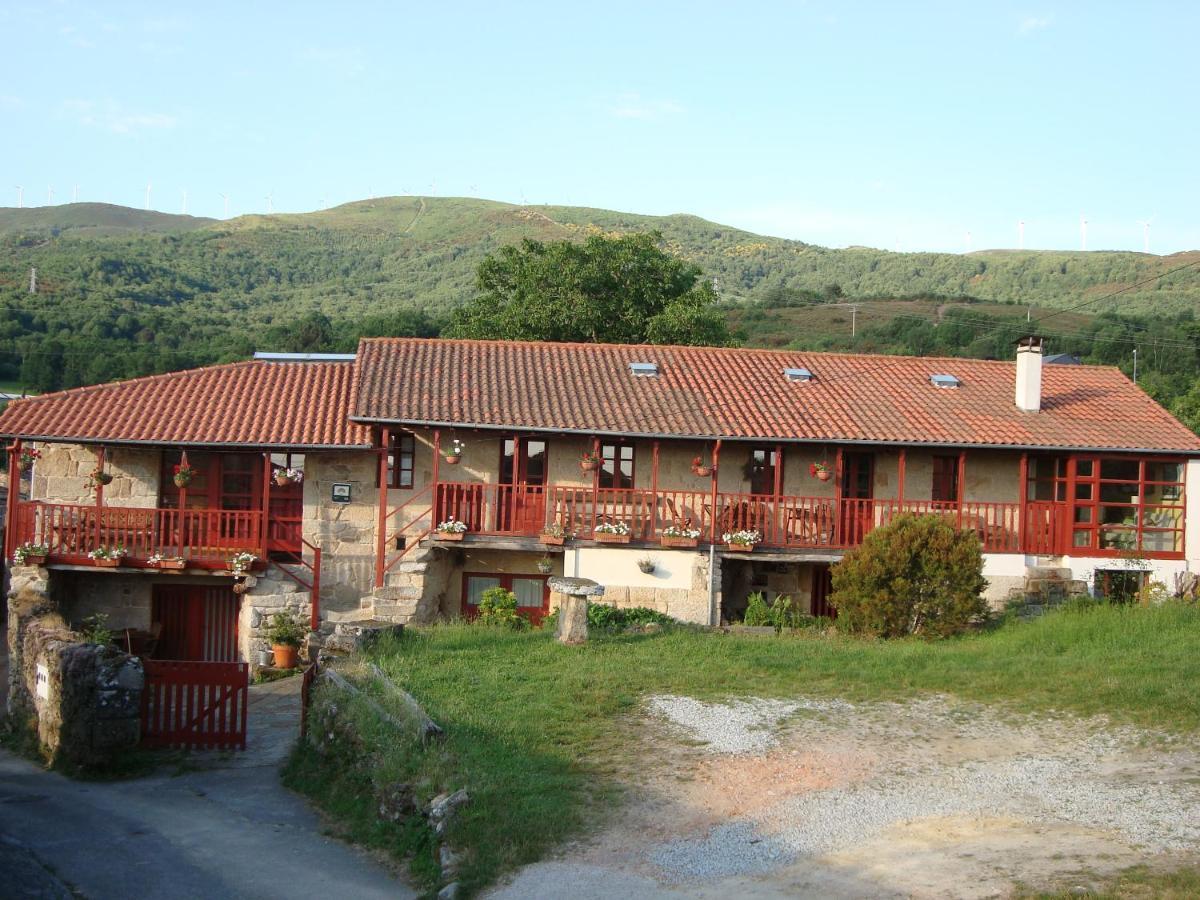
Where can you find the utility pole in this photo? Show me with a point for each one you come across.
(1135, 365)
(33, 280)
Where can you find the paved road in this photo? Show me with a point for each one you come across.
(229, 831)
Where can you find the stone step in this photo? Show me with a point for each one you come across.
(351, 616)
(397, 592)
(403, 610)
(410, 566)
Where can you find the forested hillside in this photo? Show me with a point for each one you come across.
(124, 292)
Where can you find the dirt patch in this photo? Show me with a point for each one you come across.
(932, 798)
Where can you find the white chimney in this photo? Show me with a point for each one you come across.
(1029, 374)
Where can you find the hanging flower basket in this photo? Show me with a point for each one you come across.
(545, 566)
(452, 459)
(590, 461)
(281, 478)
(284, 477)
(239, 587)
(184, 474)
(700, 469)
(820, 471)
(454, 454)
(28, 458)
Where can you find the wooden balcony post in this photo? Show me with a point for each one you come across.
(716, 458)
(900, 466)
(837, 497)
(596, 485)
(654, 489)
(1023, 478)
(381, 526)
(962, 484)
(10, 502)
(99, 495)
(263, 527)
(437, 463)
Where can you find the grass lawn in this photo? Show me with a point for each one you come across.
(533, 728)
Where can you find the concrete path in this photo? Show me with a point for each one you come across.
(229, 830)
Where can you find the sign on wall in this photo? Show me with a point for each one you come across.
(340, 492)
(41, 681)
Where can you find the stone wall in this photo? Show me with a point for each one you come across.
(61, 475)
(345, 532)
(268, 594)
(126, 600)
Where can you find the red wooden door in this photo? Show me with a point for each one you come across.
(197, 622)
(286, 520)
(521, 497)
(858, 489)
(533, 593)
(822, 588)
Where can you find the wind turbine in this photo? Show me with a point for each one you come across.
(149, 187)
(225, 197)
(20, 197)
(49, 195)
(1146, 237)
(1082, 232)
(270, 205)
(1021, 235)
(75, 194)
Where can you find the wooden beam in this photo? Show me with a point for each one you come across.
(1023, 478)
(653, 487)
(716, 458)
(381, 526)
(264, 527)
(13, 498)
(837, 495)
(596, 483)
(962, 483)
(900, 468)
(100, 455)
(778, 488)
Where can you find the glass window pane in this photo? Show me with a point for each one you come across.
(1158, 517)
(1162, 541)
(1083, 468)
(529, 592)
(1082, 539)
(1117, 538)
(1118, 492)
(1158, 471)
(1083, 491)
(477, 584)
(1083, 515)
(1120, 469)
(1118, 515)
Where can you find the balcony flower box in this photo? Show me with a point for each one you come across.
(450, 535)
(107, 562)
(741, 541)
(30, 554)
(668, 540)
(603, 537)
(450, 530)
(552, 540)
(34, 559)
(168, 563)
(107, 557)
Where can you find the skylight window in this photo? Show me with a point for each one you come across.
(644, 369)
(944, 381)
(798, 374)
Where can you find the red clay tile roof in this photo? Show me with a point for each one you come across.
(742, 394)
(260, 404)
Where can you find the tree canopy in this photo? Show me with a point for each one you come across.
(624, 290)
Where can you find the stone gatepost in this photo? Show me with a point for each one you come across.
(572, 613)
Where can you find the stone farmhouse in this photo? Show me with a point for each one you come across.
(625, 464)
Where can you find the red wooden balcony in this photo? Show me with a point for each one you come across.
(783, 522)
(204, 537)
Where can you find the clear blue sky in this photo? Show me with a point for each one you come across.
(833, 123)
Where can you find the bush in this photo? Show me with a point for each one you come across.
(499, 607)
(286, 631)
(915, 575)
(606, 617)
(757, 612)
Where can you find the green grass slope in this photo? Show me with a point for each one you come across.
(94, 219)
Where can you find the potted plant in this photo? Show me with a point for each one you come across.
(647, 564)
(741, 541)
(28, 458)
(590, 461)
(451, 530)
(284, 477)
(98, 478)
(30, 554)
(700, 469)
(285, 635)
(820, 471)
(184, 473)
(240, 563)
(454, 454)
(167, 562)
(553, 534)
(108, 557)
(612, 533)
(680, 536)
(544, 565)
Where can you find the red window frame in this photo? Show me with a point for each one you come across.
(613, 458)
(401, 461)
(1096, 494)
(505, 580)
(944, 490)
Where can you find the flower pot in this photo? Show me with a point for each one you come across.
(589, 465)
(32, 560)
(168, 564)
(282, 480)
(182, 481)
(286, 656)
(240, 587)
(740, 548)
(107, 563)
(669, 541)
(823, 475)
(545, 568)
(702, 471)
(552, 540)
(647, 568)
(604, 537)
(450, 535)
(452, 459)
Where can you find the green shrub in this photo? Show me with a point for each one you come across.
(95, 630)
(757, 611)
(1079, 603)
(915, 575)
(610, 618)
(286, 631)
(498, 606)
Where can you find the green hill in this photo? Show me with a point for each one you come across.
(123, 292)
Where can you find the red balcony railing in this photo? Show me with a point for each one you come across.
(785, 521)
(204, 536)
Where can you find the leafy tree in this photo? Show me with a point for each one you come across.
(617, 289)
(915, 575)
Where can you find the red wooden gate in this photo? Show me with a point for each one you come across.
(195, 704)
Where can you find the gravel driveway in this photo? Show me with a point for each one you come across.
(771, 798)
